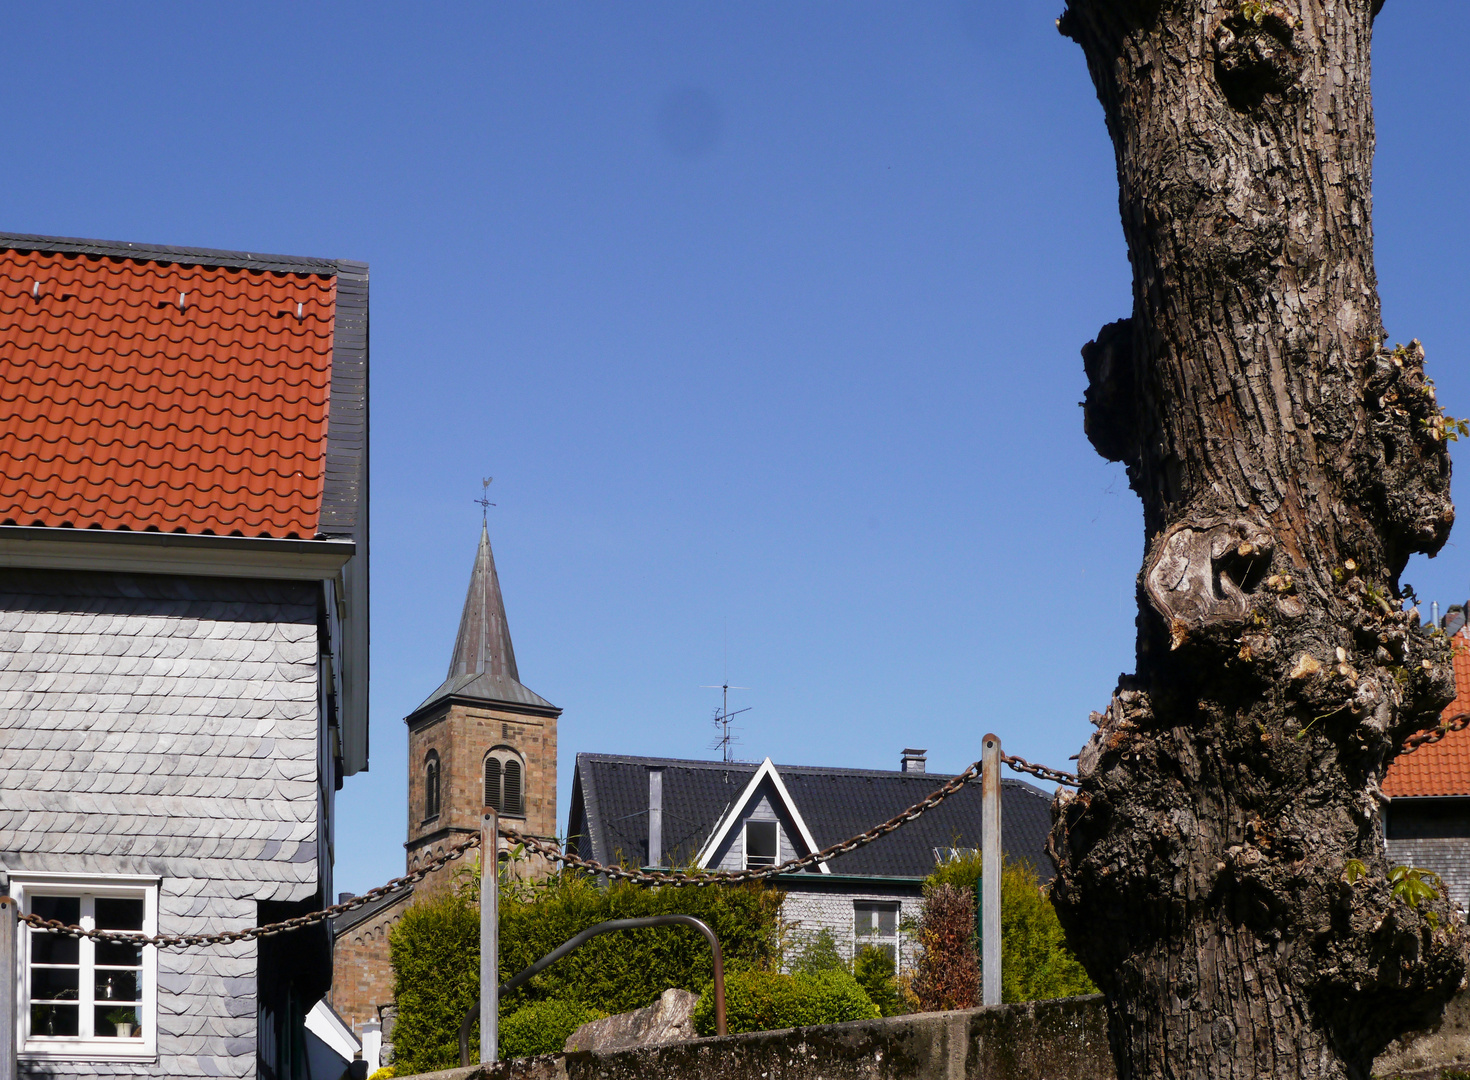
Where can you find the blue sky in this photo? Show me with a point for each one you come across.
(765, 318)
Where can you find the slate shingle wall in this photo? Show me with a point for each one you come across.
(808, 914)
(166, 727)
(1449, 857)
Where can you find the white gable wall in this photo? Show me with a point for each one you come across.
(175, 738)
(764, 806)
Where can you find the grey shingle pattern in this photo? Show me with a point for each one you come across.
(166, 727)
(610, 812)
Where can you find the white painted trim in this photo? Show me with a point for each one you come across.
(102, 1049)
(737, 810)
(38, 548)
(323, 1022)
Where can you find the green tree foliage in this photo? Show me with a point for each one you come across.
(1035, 961)
(435, 949)
(873, 970)
(542, 1027)
(769, 1000)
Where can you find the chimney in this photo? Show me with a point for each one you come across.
(913, 760)
(655, 815)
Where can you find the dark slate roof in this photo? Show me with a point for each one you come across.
(609, 817)
(483, 667)
(343, 923)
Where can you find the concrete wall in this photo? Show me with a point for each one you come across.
(166, 727)
(1055, 1040)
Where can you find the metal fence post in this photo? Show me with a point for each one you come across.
(990, 867)
(489, 937)
(9, 931)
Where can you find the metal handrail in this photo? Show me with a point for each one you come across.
(587, 935)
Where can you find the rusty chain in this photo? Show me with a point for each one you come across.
(1434, 734)
(555, 854)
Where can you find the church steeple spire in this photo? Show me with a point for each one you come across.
(483, 666)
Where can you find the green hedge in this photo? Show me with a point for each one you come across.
(631, 968)
(767, 1001)
(435, 950)
(543, 1027)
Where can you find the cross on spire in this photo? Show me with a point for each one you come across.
(484, 500)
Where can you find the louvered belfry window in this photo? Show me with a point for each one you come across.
(504, 782)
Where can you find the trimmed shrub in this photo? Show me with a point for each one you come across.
(631, 968)
(818, 952)
(873, 971)
(1035, 962)
(949, 970)
(768, 1000)
(542, 1027)
(435, 949)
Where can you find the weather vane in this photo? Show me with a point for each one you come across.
(484, 500)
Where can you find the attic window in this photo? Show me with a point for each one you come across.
(762, 844)
(504, 782)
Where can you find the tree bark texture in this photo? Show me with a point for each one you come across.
(1222, 870)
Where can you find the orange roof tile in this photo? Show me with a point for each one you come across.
(148, 395)
(1441, 768)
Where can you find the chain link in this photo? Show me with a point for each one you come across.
(553, 853)
(1433, 735)
(163, 941)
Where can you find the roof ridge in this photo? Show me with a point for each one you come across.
(167, 254)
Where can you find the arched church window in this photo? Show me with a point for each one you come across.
(504, 782)
(431, 785)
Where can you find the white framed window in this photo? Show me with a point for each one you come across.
(84, 1000)
(875, 923)
(762, 844)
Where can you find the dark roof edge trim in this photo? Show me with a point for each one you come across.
(423, 711)
(180, 256)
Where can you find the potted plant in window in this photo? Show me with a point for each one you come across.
(122, 1021)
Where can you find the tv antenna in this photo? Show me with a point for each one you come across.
(483, 501)
(726, 737)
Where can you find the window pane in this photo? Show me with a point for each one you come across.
(67, 909)
(53, 948)
(107, 1017)
(53, 1019)
(887, 921)
(115, 914)
(114, 954)
(760, 843)
(55, 983)
(116, 985)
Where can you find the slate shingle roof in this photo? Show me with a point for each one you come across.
(610, 812)
(159, 389)
(1442, 768)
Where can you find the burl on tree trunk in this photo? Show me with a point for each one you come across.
(1221, 870)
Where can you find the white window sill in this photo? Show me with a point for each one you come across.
(62, 1049)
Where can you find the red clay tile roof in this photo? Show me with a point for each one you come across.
(148, 395)
(1441, 768)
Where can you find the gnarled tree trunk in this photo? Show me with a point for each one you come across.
(1221, 871)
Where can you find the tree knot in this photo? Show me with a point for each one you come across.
(1256, 54)
(1202, 573)
(1110, 406)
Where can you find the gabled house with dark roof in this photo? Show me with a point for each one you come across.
(1427, 823)
(183, 640)
(735, 815)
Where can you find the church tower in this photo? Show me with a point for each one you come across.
(481, 738)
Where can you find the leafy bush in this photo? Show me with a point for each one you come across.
(631, 968)
(1035, 961)
(543, 1027)
(873, 971)
(817, 952)
(769, 1000)
(435, 949)
(949, 969)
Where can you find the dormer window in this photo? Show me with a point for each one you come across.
(504, 782)
(431, 785)
(762, 844)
